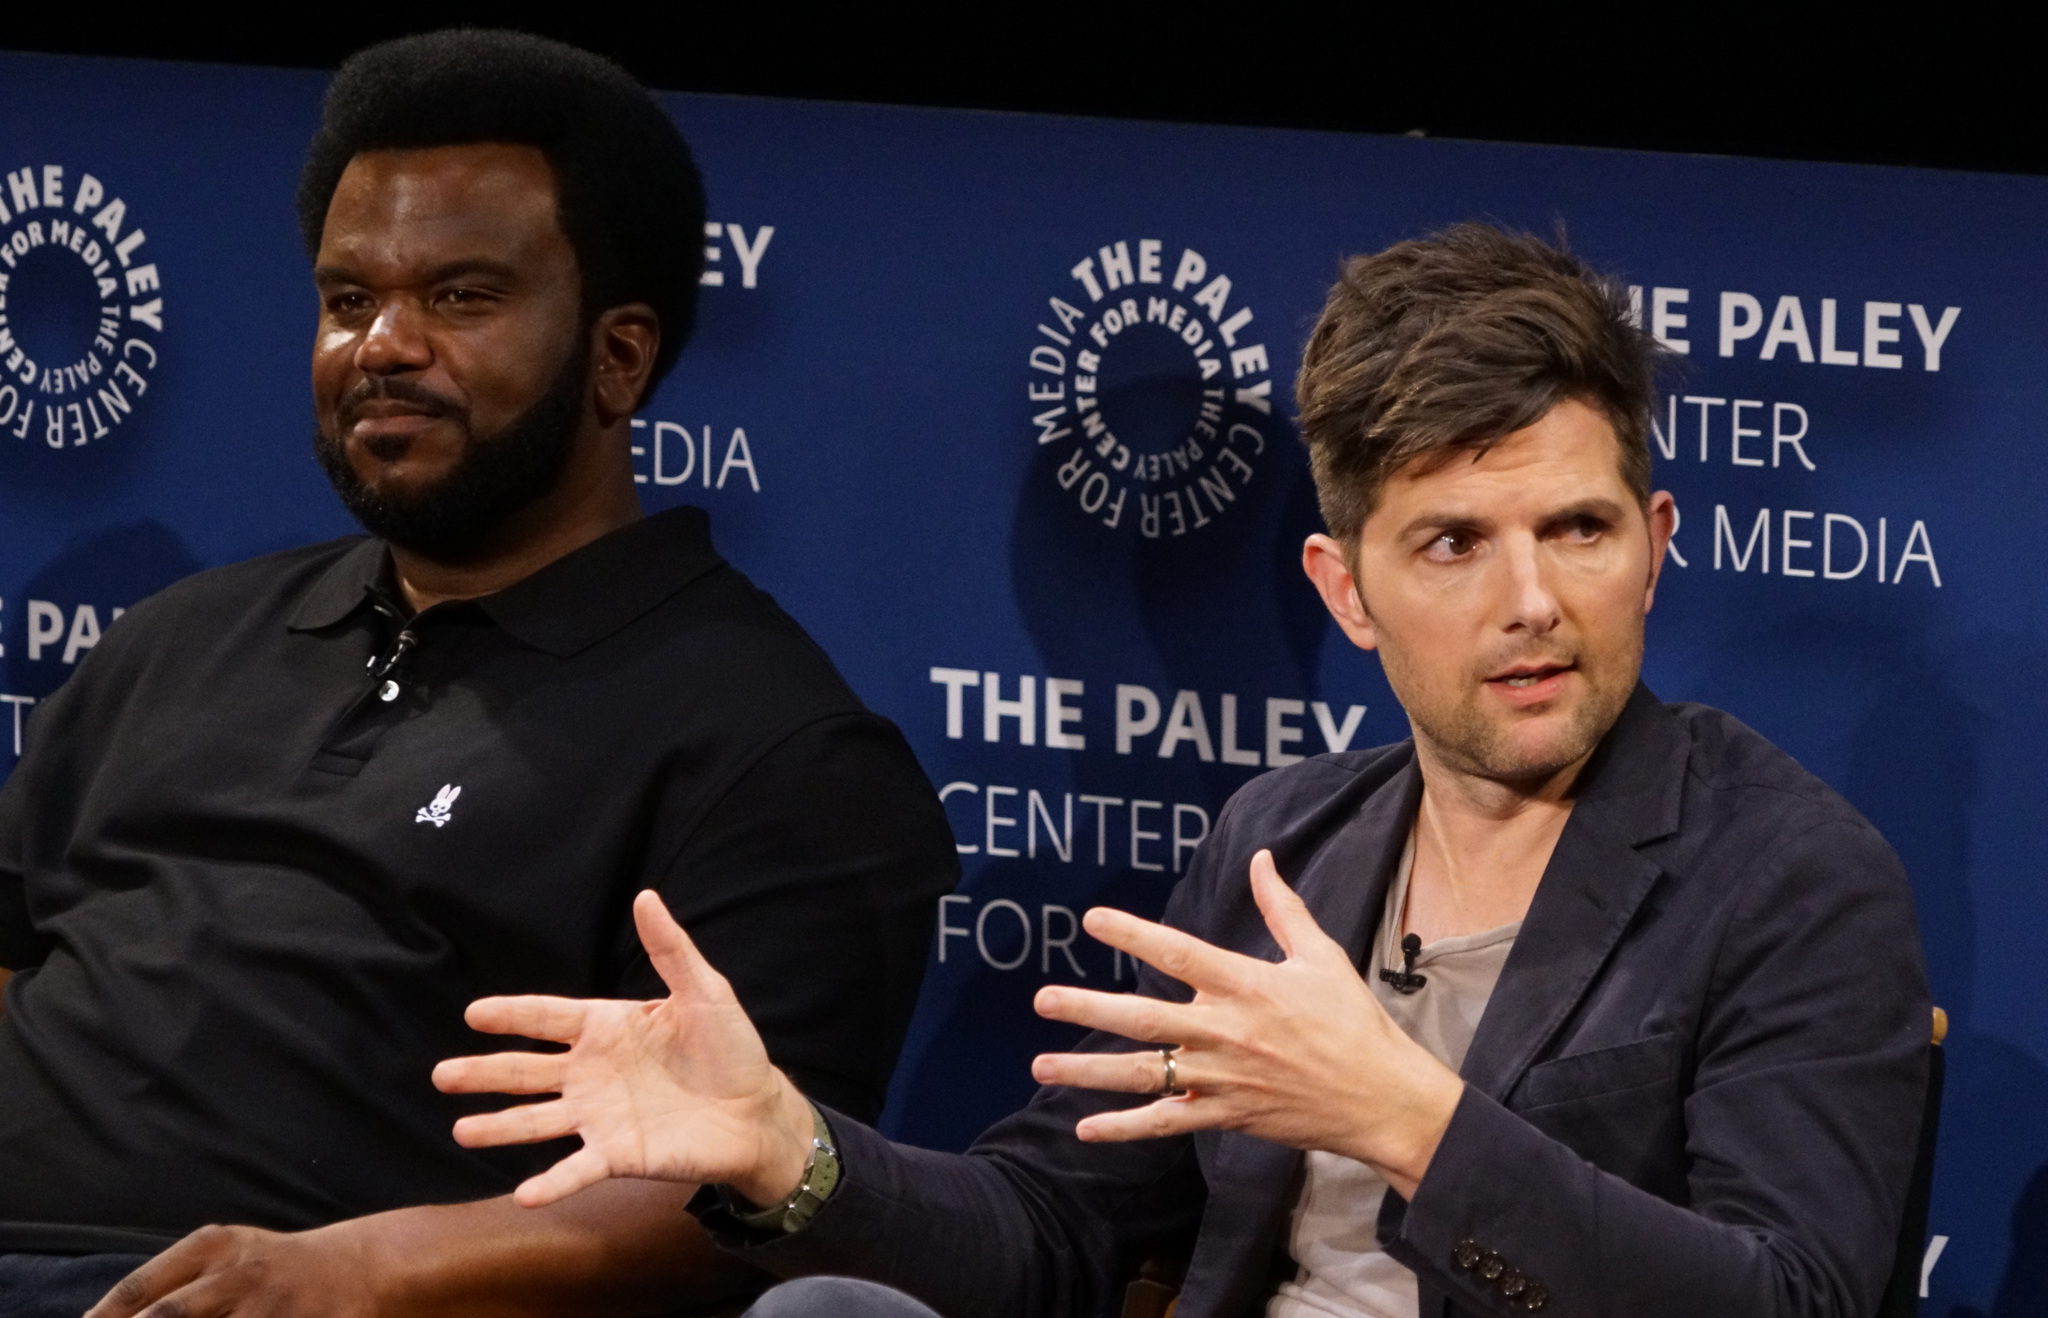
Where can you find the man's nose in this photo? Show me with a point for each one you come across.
(1531, 605)
(395, 341)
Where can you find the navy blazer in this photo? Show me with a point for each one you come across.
(1695, 1091)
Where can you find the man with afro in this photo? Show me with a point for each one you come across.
(292, 815)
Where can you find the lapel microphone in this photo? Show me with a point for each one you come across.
(380, 665)
(1405, 980)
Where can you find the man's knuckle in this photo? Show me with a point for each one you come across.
(131, 1290)
(212, 1236)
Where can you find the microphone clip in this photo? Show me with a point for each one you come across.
(381, 665)
(1405, 980)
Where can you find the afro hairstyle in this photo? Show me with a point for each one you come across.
(627, 191)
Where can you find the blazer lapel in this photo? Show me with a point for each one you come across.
(1345, 885)
(1345, 859)
(1590, 892)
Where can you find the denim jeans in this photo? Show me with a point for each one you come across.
(833, 1297)
(59, 1285)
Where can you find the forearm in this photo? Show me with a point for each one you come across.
(622, 1247)
(1030, 1224)
(947, 1228)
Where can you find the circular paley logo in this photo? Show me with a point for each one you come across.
(81, 311)
(1149, 386)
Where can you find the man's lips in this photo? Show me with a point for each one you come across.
(1531, 684)
(389, 420)
(391, 409)
(392, 423)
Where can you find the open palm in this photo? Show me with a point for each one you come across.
(680, 1089)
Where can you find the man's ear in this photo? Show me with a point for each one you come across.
(623, 345)
(1663, 518)
(1326, 564)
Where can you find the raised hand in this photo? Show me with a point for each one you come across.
(678, 1090)
(1299, 1053)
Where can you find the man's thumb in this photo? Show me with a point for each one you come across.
(675, 958)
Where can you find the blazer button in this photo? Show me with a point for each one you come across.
(1535, 1299)
(1465, 1254)
(1513, 1283)
(1491, 1265)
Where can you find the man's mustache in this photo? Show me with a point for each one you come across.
(408, 392)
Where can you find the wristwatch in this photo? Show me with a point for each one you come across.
(820, 1178)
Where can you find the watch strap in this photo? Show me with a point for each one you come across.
(820, 1178)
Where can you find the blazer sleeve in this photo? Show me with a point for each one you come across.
(1800, 1120)
(1029, 1222)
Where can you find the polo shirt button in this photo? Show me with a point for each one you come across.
(388, 692)
(1491, 1265)
(1535, 1298)
(1465, 1254)
(1513, 1283)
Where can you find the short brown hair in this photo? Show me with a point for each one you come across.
(1451, 343)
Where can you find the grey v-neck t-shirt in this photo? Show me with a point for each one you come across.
(1340, 1268)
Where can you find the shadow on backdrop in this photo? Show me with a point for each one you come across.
(2024, 1290)
(99, 572)
(1915, 774)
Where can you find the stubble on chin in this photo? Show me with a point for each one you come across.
(1469, 742)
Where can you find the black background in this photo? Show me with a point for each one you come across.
(1945, 89)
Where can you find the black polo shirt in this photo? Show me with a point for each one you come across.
(251, 879)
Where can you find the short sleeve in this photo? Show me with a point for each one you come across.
(811, 886)
(19, 946)
(45, 781)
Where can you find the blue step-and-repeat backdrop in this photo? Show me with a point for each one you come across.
(999, 407)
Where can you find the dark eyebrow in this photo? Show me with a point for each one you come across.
(467, 267)
(1604, 510)
(471, 266)
(1443, 520)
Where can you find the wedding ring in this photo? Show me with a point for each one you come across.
(1170, 1083)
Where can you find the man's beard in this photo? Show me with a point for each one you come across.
(459, 517)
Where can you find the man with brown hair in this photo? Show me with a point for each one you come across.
(1578, 1001)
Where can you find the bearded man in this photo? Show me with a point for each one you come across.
(291, 816)
(1574, 1002)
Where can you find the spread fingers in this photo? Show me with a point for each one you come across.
(559, 1020)
(1177, 1115)
(527, 1124)
(501, 1073)
(1123, 1073)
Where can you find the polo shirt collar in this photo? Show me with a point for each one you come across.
(581, 598)
(343, 588)
(567, 606)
